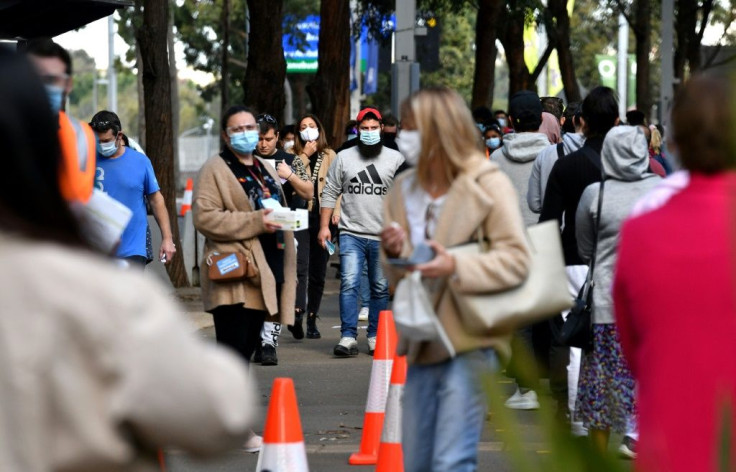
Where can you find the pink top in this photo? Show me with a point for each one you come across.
(675, 303)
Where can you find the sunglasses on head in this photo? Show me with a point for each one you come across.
(103, 126)
(266, 117)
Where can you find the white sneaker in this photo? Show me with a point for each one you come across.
(578, 430)
(346, 347)
(363, 314)
(526, 401)
(371, 345)
(254, 443)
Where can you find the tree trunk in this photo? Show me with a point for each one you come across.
(225, 66)
(141, 100)
(643, 34)
(330, 91)
(157, 96)
(512, 38)
(686, 19)
(558, 9)
(174, 76)
(263, 86)
(485, 52)
(694, 45)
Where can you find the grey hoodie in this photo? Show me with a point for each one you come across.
(516, 158)
(625, 159)
(542, 167)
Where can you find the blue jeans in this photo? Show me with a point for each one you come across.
(365, 288)
(355, 252)
(444, 408)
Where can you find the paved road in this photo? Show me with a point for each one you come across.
(332, 394)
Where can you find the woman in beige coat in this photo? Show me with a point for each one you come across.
(452, 192)
(98, 368)
(228, 208)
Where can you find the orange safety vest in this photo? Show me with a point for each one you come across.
(78, 151)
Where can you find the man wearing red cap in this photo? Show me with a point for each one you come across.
(362, 175)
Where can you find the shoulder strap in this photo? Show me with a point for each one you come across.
(560, 150)
(589, 277)
(317, 166)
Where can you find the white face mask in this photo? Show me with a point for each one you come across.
(309, 134)
(409, 143)
(288, 144)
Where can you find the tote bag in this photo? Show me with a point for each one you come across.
(542, 295)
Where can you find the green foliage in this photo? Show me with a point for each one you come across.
(457, 58)
(593, 30)
(82, 99)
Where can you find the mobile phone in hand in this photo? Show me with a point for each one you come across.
(422, 254)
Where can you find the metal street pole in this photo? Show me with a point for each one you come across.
(404, 70)
(112, 84)
(623, 65)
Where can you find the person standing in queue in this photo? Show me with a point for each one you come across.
(311, 147)
(229, 207)
(361, 176)
(298, 191)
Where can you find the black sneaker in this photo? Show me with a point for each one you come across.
(268, 355)
(627, 449)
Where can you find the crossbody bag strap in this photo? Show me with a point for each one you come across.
(591, 268)
(317, 166)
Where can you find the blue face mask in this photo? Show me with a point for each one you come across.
(370, 137)
(245, 142)
(107, 149)
(493, 143)
(56, 97)
(501, 122)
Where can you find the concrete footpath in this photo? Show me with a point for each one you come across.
(332, 393)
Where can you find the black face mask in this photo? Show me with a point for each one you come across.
(389, 136)
(369, 151)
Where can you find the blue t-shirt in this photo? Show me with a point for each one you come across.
(128, 179)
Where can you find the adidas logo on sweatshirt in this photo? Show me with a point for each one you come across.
(367, 182)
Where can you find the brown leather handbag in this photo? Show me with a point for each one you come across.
(231, 266)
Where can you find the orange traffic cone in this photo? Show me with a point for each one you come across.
(390, 454)
(283, 443)
(161, 460)
(186, 202)
(380, 378)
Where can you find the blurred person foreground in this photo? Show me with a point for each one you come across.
(92, 378)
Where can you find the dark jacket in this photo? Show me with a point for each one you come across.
(565, 186)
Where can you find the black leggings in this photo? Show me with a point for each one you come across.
(238, 328)
(302, 268)
(318, 257)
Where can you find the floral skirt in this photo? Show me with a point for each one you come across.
(606, 387)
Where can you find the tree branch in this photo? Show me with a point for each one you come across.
(707, 8)
(542, 62)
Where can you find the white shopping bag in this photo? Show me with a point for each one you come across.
(413, 313)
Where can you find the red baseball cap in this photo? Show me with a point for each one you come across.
(368, 111)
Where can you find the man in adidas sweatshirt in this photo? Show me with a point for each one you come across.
(362, 175)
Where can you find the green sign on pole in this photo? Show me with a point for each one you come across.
(607, 70)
